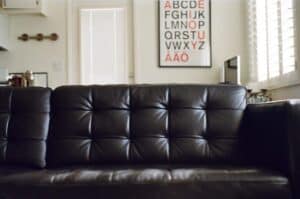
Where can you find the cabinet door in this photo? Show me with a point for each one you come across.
(20, 4)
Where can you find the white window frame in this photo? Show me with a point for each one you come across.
(283, 80)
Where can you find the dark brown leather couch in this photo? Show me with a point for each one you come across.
(147, 142)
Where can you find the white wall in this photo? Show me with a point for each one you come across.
(292, 92)
(46, 56)
(227, 41)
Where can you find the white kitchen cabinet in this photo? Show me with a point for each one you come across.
(3, 32)
(20, 4)
(17, 7)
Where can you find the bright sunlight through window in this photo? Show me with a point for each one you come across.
(272, 38)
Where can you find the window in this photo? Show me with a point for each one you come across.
(272, 38)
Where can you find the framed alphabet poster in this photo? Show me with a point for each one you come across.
(184, 33)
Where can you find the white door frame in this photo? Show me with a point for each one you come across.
(73, 34)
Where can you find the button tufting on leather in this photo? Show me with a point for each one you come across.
(144, 123)
(24, 119)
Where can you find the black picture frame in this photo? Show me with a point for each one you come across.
(183, 66)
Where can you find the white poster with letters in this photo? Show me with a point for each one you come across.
(184, 32)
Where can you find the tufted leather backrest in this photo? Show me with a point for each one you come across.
(24, 124)
(145, 124)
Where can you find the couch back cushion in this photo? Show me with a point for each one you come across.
(154, 124)
(24, 124)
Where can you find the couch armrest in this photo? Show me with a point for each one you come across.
(271, 136)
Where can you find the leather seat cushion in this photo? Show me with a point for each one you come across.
(139, 182)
